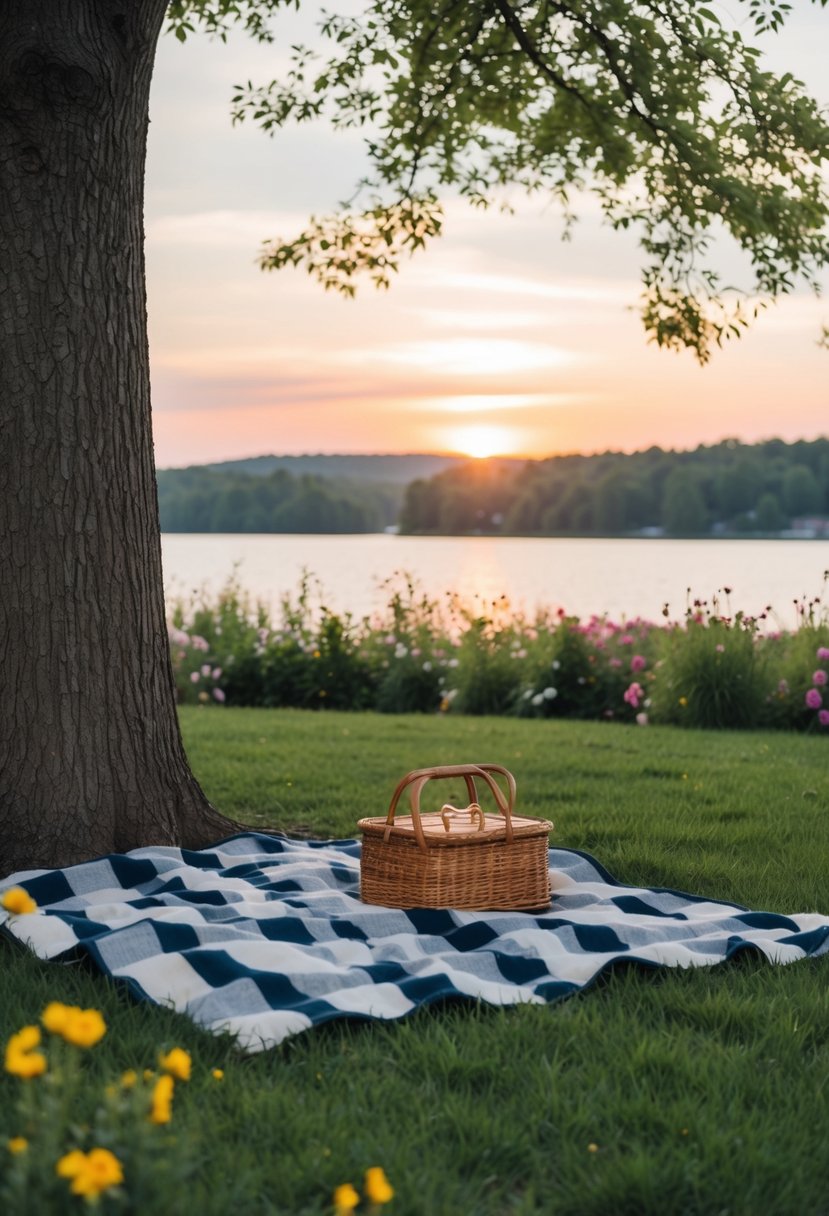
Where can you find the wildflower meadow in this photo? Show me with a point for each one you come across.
(714, 668)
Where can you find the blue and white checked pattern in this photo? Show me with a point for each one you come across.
(265, 937)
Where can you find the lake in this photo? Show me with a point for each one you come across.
(623, 578)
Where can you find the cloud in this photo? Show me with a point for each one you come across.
(468, 356)
(225, 229)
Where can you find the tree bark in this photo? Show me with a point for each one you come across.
(91, 757)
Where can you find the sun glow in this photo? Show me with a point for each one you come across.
(482, 441)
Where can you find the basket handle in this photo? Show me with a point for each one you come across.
(447, 812)
(419, 777)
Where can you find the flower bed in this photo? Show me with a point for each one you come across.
(713, 669)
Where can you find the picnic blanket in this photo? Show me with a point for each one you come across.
(265, 937)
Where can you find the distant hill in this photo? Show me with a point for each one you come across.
(391, 470)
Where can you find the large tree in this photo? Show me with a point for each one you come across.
(655, 107)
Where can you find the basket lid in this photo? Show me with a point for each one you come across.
(453, 825)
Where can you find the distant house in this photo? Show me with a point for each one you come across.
(809, 527)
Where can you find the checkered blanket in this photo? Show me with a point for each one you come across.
(265, 937)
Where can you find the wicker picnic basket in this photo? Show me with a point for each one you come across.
(455, 858)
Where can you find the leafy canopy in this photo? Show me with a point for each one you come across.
(661, 110)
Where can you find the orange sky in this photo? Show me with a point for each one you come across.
(499, 338)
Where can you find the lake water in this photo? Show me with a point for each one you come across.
(623, 578)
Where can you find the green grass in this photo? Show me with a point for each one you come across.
(704, 1091)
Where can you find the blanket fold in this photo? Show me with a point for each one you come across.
(265, 937)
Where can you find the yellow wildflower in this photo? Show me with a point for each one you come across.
(376, 1186)
(25, 1039)
(70, 1164)
(592, 1148)
(177, 1063)
(92, 1172)
(81, 1027)
(683, 701)
(148, 1074)
(129, 1078)
(345, 1199)
(85, 1028)
(162, 1102)
(55, 1016)
(21, 1058)
(17, 1144)
(17, 901)
(218, 1074)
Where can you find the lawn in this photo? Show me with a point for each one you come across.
(662, 1092)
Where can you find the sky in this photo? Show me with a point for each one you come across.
(500, 338)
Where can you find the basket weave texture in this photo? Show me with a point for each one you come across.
(457, 858)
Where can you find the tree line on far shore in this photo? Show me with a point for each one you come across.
(201, 499)
(726, 489)
(729, 488)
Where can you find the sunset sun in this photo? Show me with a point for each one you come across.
(482, 441)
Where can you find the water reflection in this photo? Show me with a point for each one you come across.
(620, 577)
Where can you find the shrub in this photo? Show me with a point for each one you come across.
(712, 674)
(713, 670)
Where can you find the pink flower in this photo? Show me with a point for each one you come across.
(218, 695)
(638, 662)
(633, 694)
(626, 639)
(819, 677)
(720, 649)
(205, 670)
(823, 717)
(813, 699)
(823, 653)
(195, 676)
(642, 719)
(615, 662)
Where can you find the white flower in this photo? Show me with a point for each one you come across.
(642, 719)
(555, 664)
(528, 694)
(550, 694)
(538, 699)
(452, 663)
(427, 666)
(400, 651)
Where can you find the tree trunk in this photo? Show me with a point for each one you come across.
(91, 758)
